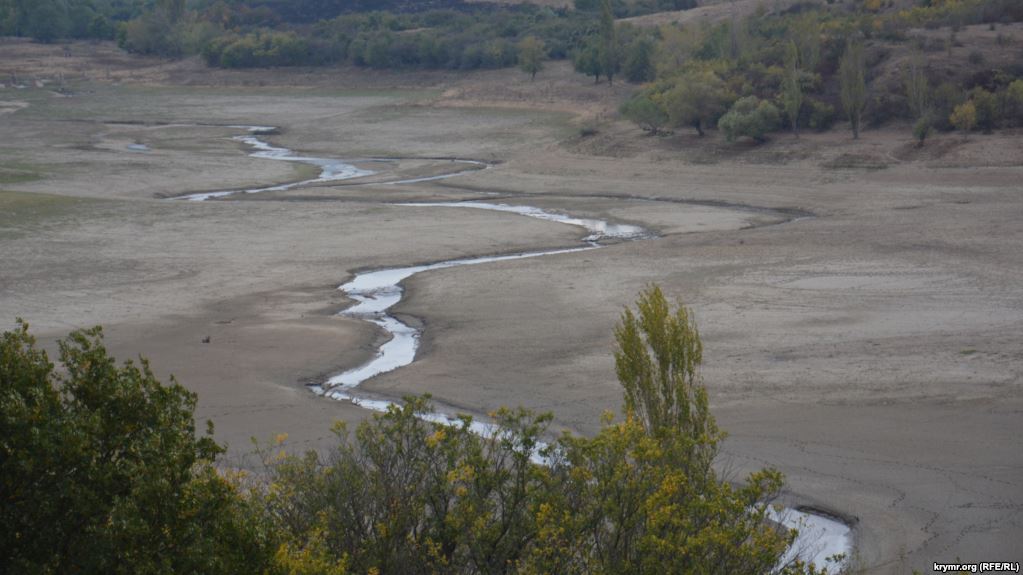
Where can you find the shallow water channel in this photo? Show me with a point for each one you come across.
(377, 291)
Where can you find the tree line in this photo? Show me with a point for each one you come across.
(102, 472)
(808, 68)
(51, 20)
(804, 68)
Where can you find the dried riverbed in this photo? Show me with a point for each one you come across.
(375, 292)
(835, 347)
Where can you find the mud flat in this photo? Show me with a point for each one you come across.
(821, 540)
(870, 353)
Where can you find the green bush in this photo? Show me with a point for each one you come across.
(645, 113)
(260, 49)
(639, 63)
(697, 99)
(964, 117)
(885, 107)
(822, 116)
(922, 128)
(944, 99)
(750, 117)
(151, 34)
(988, 113)
(101, 470)
(1012, 103)
(43, 20)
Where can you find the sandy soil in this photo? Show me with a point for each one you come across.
(871, 351)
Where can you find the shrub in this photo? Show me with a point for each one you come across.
(1012, 103)
(101, 466)
(986, 105)
(822, 115)
(151, 34)
(922, 129)
(964, 117)
(698, 99)
(639, 63)
(885, 107)
(944, 100)
(531, 55)
(750, 117)
(645, 113)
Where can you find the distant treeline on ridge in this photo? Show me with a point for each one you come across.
(804, 65)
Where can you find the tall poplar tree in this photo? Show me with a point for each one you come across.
(609, 57)
(792, 89)
(852, 73)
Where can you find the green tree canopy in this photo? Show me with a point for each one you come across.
(986, 105)
(101, 470)
(697, 100)
(917, 89)
(639, 61)
(646, 113)
(852, 77)
(532, 53)
(792, 88)
(964, 117)
(610, 57)
(586, 60)
(46, 20)
(749, 117)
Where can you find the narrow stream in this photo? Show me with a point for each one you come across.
(376, 292)
(820, 537)
(331, 169)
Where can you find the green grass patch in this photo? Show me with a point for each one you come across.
(305, 172)
(17, 173)
(19, 210)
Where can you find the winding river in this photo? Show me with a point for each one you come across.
(375, 292)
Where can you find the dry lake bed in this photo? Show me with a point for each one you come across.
(861, 306)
